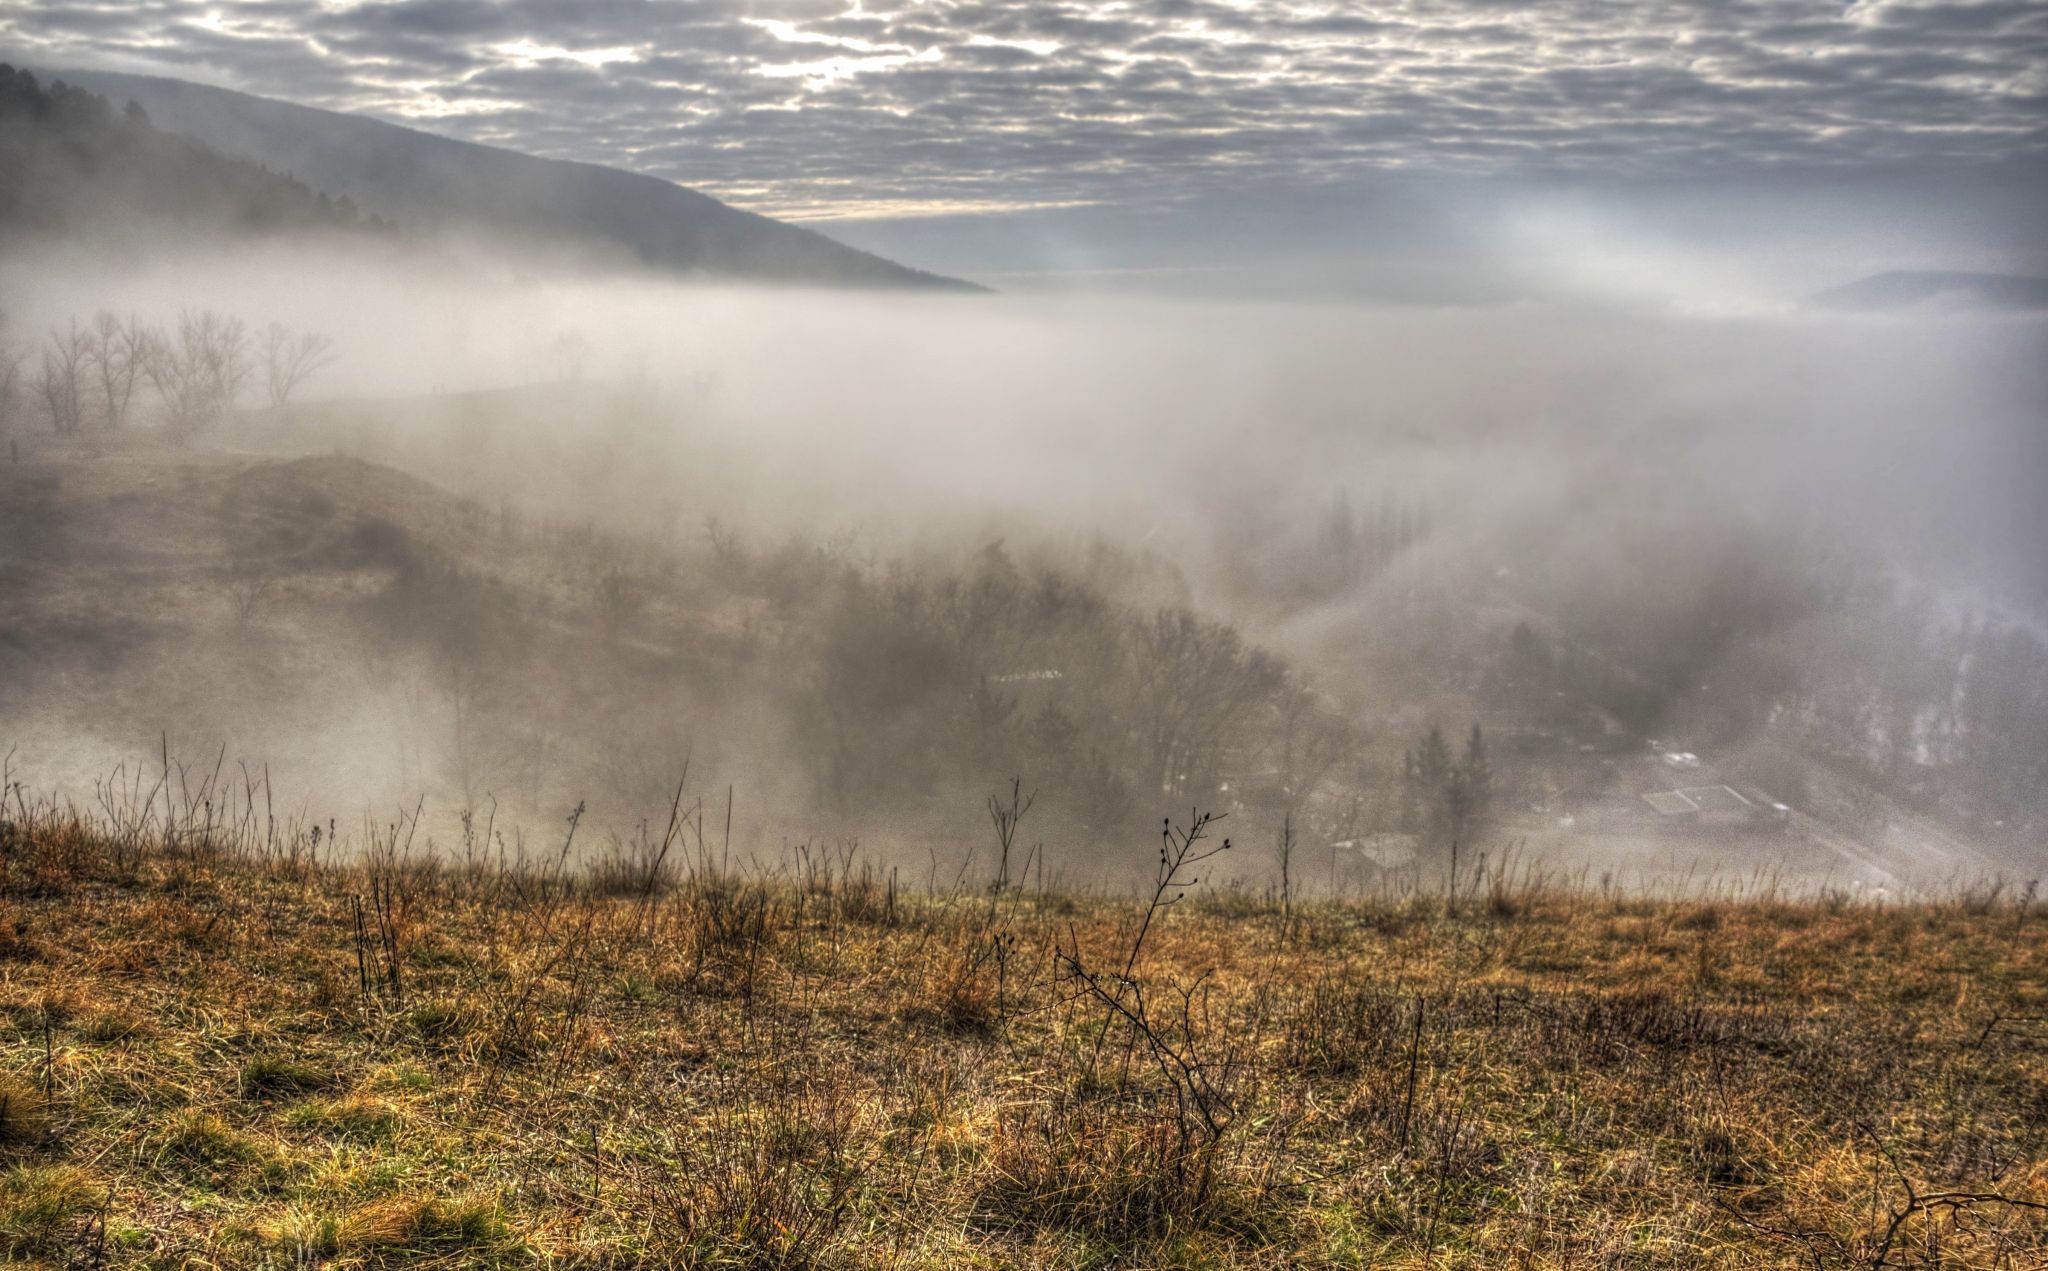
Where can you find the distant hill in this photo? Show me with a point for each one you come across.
(1910, 288)
(426, 182)
(71, 164)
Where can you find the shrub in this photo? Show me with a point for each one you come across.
(40, 1206)
(355, 1118)
(402, 1231)
(204, 1140)
(267, 1075)
(769, 1179)
(23, 1118)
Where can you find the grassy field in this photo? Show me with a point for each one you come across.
(220, 1048)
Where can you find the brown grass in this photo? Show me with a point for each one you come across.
(818, 1071)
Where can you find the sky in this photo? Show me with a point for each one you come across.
(1144, 137)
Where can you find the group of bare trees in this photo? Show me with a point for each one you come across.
(919, 681)
(82, 376)
(198, 368)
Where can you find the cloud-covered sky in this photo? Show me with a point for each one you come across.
(873, 109)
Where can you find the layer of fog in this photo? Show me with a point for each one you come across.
(915, 424)
(877, 412)
(1724, 241)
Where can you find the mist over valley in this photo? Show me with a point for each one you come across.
(809, 635)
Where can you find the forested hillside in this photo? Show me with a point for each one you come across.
(71, 163)
(435, 185)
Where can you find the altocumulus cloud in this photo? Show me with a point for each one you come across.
(820, 108)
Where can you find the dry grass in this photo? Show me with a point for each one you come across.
(206, 1058)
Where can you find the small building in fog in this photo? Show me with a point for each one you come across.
(1703, 805)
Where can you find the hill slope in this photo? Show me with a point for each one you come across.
(248, 1048)
(1907, 288)
(423, 181)
(70, 163)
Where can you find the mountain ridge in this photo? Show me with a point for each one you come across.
(73, 166)
(425, 181)
(1904, 288)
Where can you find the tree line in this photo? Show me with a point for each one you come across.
(72, 164)
(196, 369)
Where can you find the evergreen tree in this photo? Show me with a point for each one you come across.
(1475, 776)
(1408, 821)
(1433, 764)
(1432, 772)
(1445, 797)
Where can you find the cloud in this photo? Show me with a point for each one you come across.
(829, 107)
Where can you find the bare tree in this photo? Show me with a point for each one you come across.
(249, 585)
(1313, 739)
(1196, 682)
(10, 377)
(120, 347)
(290, 358)
(1005, 817)
(60, 382)
(176, 381)
(198, 371)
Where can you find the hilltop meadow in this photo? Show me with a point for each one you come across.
(229, 1040)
